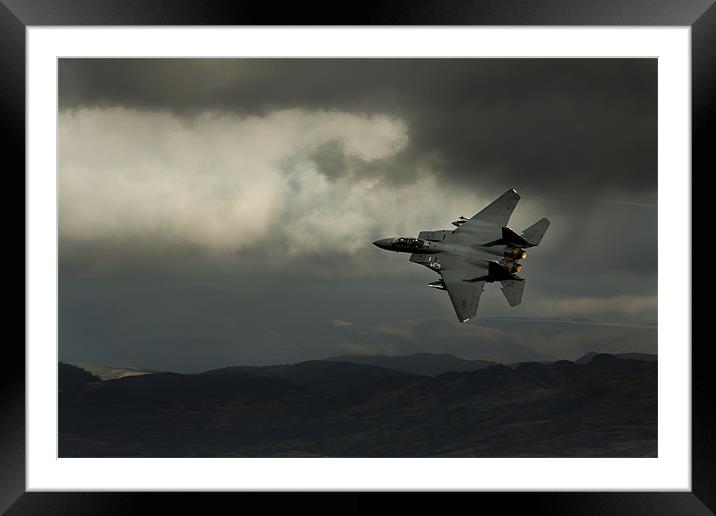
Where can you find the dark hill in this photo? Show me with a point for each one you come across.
(71, 377)
(604, 408)
(586, 358)
(322, 375)
(172, 388)
(427, 364)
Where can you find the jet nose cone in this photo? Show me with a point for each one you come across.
(383, 243)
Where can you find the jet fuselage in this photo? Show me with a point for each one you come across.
(472, 253)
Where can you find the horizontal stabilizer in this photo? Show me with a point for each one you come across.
(533, 234)
(513, 289)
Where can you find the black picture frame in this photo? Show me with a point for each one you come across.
(16, 15)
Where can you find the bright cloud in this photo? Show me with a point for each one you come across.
(222, 182)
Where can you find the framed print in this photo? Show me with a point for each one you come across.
(210, 303)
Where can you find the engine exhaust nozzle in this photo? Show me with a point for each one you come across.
(515, 253)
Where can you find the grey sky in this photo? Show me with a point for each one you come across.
(215, 212)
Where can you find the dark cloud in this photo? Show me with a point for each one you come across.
(578, 138)
(553, 125)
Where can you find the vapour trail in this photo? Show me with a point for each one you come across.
(607, 201)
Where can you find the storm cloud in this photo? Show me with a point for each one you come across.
(547, 124)
(218, 211)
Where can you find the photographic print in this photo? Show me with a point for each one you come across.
(384, 257)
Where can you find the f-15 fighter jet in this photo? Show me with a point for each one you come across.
(479, 250)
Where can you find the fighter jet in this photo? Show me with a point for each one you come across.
(479, 250)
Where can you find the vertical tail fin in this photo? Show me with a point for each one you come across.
(513, 290)
(533, 234)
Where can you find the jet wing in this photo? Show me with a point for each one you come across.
(486, 226)
(498, 212)
(465, 296)
(464, 287)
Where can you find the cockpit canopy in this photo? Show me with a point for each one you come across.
(408, 243)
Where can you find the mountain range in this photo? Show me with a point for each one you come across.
(111, 372)
(428, 364)
(603, 407)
